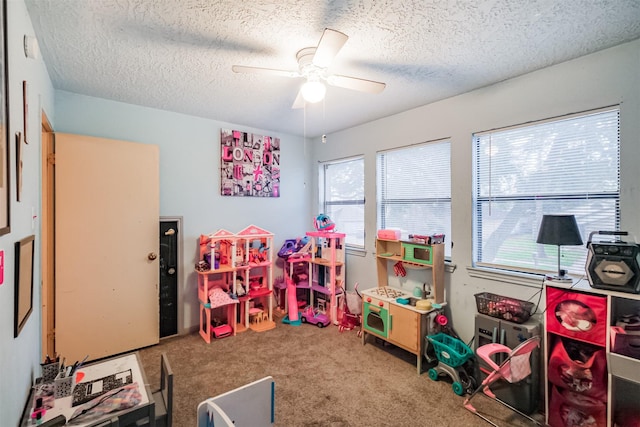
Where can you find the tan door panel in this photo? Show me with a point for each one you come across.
(106, 226)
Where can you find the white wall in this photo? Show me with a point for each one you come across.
(20, 357)
(605, 78)
(190, 177)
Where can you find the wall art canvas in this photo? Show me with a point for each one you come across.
(250, 164)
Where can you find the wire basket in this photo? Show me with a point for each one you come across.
(511, 309)
(449, 350)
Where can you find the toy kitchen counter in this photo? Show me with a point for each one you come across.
(387, 314)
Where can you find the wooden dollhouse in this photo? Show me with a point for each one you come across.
(218, 311)
(235, 282)
(257, 271)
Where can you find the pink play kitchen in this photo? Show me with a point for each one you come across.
(398, 316)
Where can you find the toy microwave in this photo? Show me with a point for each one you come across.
(389, 234)
(416, 253)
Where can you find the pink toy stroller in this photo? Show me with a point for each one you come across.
(351, 316)
(514, 368)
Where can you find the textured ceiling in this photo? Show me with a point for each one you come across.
(177, 55)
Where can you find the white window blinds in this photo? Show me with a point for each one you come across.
(414, 190)
(569, 165)
(344, 198)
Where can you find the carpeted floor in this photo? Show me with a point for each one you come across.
(322, 378)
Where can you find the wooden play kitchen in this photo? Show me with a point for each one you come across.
(396, 315)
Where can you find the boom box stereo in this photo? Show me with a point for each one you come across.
(613, 265)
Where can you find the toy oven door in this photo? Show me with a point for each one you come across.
(376, 319)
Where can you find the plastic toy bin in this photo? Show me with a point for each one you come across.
(577, 315)
(63, 385)
(50, 371)
(506, 308)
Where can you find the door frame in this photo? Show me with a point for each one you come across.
(47, 238)
(180, 249)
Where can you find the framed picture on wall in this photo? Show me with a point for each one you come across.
(5, 188)
(23, 306)
(18, 166)
(25, 109)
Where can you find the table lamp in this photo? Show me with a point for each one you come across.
(559, 230)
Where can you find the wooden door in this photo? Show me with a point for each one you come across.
(106, 246)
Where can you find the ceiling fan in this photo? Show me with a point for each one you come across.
(313, 64)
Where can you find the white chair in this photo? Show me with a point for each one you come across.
(250, 405)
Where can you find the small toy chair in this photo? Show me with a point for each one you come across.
(255, 315)
(514, 368)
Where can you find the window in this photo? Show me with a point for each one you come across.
(568, 165)
(414, 190)
(342, 192)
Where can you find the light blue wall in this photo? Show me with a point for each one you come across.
(605, 78)
(20, 357)
(190, 176)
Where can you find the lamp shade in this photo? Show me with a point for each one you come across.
(559, 230)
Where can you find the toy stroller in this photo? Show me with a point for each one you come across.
(351, 316)
(514, 368)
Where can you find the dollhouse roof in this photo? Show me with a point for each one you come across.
(222, 233)
(253, 231)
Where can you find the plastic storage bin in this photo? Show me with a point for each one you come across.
(63, 386)
(50, 371)
(506, 308)
(577, 315)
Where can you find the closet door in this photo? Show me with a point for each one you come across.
(106, 246)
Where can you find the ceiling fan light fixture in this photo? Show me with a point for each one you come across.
(313, 91)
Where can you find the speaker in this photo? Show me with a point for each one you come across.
(614, 266)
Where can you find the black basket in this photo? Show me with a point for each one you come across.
(511, 309)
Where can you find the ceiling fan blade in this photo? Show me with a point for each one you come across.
(258, 70)
(299, 102)
(354, 83)
(328, 47)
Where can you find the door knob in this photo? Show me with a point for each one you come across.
(152, 256)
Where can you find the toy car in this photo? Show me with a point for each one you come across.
(314, 317)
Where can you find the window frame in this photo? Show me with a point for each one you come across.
(322, 188)
(614, 197)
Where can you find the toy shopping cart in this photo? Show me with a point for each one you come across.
(454, 358)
